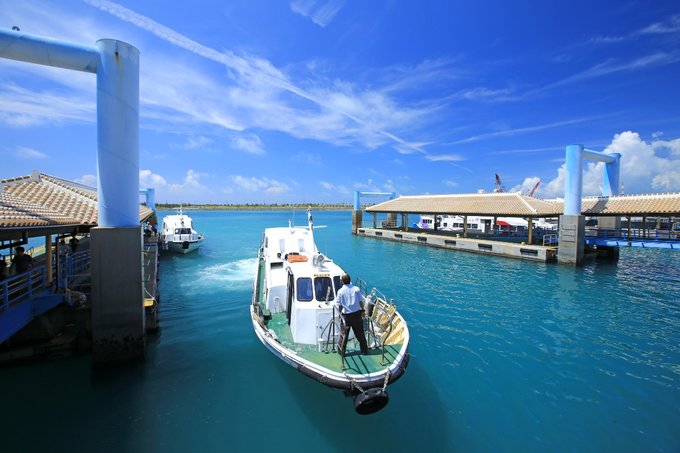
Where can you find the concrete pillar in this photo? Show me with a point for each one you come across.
(48, 260)
(375, 220)
(356, 221)
(530, 225)
(118, 332)
(572, 239)
(465, 226)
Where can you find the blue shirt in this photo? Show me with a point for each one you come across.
(349, 297)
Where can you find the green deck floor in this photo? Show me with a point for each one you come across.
(355, 361)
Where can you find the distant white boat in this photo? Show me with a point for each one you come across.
(478, 224)
(178, 234)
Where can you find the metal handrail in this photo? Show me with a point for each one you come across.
(22, 286)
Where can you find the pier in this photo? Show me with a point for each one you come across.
(537, 244)
(46, 311)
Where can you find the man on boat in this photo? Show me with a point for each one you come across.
(349, 303)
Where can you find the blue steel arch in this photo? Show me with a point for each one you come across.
(358, 195)
(573, 181)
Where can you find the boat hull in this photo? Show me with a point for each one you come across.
(183, 247)
(353, 383)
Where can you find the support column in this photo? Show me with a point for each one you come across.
(465, 226)
(48, 261)
(118, 332)
(356, 221)
(572, 239)
(530, 225)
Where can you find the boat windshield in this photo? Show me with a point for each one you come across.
(304, 289)
(323, 288)
(182, 230)
(337, 282)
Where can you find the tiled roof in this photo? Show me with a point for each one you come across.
(487, 204)
(518, 205)
(43, 200)
(659, 204)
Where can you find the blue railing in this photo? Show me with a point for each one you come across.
(21, 287)
(634, 234)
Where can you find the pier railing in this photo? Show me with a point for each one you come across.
(634, 234)
(21, 287)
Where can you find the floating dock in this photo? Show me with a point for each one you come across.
(482, 246)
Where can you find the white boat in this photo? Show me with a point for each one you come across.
(477, 224)
(294, 315)
(178, 234)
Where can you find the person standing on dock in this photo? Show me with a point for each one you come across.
(349, 303)
(21, 261)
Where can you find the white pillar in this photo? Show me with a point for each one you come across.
(118, 134)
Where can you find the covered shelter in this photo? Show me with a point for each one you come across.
(40, 205)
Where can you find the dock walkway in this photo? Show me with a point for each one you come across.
(483, 246)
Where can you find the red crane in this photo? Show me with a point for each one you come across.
(499, 186)
(531, 192)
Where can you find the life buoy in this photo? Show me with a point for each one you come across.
(296, 258)
(371, 401)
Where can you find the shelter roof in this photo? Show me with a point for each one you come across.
(40, 200)
(508, 204)
(482, 204)
(637, 205)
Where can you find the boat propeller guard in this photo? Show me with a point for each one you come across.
(370, 401)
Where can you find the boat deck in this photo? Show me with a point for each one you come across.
(356, 362)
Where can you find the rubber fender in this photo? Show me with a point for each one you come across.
(371, 401)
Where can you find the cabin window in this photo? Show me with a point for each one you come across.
(282, 245)
(301, 245)
(304, 289)
(337, 283)
(323, 287)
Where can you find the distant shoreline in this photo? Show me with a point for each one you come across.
(254, 207)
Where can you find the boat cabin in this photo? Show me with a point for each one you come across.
(299, 281)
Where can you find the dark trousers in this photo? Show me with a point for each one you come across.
(354, 321)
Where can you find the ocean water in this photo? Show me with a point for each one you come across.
(506, 355)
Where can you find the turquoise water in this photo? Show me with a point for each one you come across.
(506, 356)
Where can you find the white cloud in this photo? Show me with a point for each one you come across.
(253, 184)
(197, 142)
(87, 180)
(23, 152)
(643, 169)
(249, 143)
(445, 157)
(191, 184)
(450, 183)
(527, 185)
(339, 188)
(308, 158)
(149, 179)
(321, 13)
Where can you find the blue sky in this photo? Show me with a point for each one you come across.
(253, 101)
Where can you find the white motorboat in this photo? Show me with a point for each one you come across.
(294, 315)
(476, 224)
(178, 234)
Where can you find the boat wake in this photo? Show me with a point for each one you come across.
(235, 273)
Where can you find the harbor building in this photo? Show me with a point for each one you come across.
(47, 311)
(609, 222)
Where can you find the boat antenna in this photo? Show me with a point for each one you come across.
(309, 222)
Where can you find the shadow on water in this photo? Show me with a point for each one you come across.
(414, 418)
